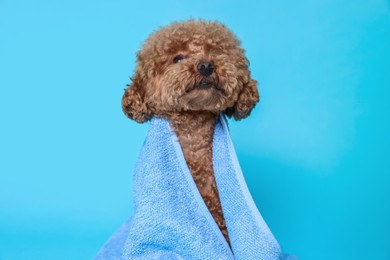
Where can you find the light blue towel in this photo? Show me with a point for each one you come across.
(170, 219)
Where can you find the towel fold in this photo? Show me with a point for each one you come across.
(170, 219)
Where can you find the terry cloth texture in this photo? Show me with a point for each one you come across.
(170, 219)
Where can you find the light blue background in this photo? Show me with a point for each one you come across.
(315, 152)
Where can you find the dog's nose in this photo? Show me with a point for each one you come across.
(206, 68)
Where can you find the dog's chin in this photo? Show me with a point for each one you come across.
(203, 97)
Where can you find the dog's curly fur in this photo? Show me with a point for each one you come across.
(168, 83)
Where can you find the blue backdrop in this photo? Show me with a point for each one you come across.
(315, 152)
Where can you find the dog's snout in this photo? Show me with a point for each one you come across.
(206, 68)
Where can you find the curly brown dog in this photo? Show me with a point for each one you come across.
(190, 72)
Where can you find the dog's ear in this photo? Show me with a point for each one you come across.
(247, 100)
(133, 101)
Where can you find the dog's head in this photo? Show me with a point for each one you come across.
(191, 66)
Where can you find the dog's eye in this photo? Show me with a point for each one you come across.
(178, 58)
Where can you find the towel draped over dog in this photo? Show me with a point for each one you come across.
(171, 220)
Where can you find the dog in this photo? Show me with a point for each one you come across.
(189, 73)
